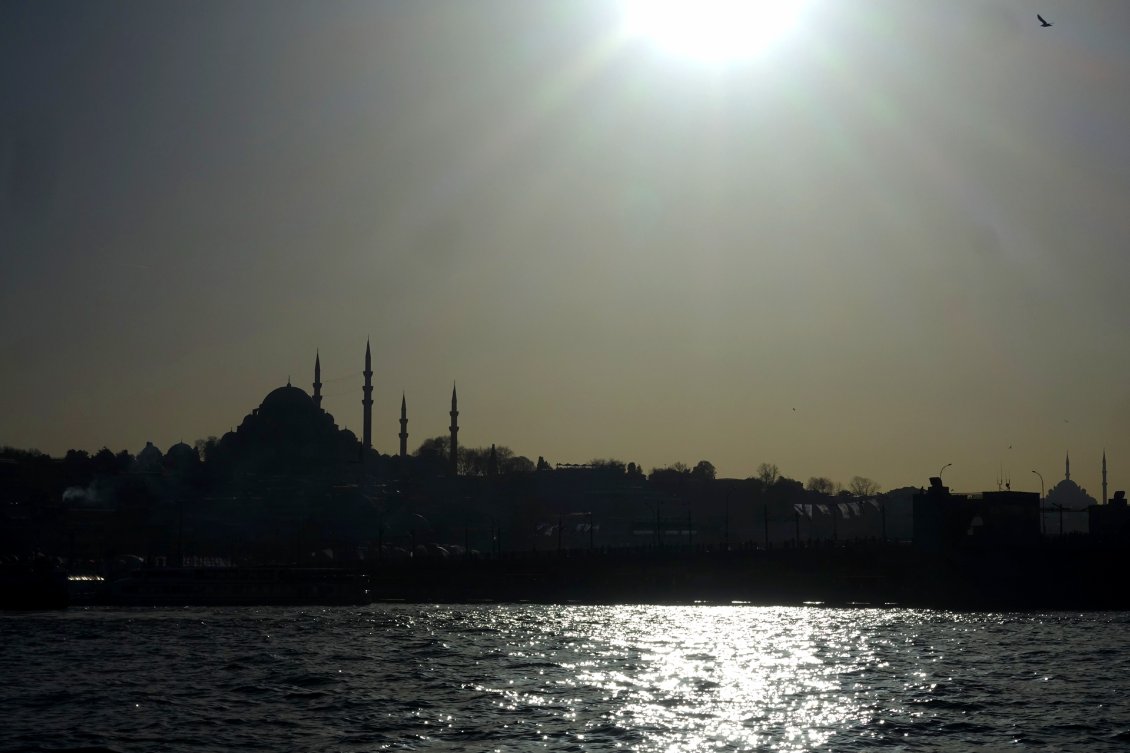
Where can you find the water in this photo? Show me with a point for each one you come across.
(579, 678)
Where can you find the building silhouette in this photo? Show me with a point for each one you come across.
(367, 402)
(403, 426)
(1065, 503)
(454, 469)
(317, 380)
(290, 432)
(1001, 520)
(1105, 498)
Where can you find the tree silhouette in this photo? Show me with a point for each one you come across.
(608, 464)
(785, 490)
(436, 447)
(704, 471)
(205, 447)
(517, 464)
(821, 485)
(861, 486)
(767, 474)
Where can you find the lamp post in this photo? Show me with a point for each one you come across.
(947, 465)
(1041, 501)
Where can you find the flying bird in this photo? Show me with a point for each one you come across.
(1043, 23)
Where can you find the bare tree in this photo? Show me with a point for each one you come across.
(861, 486)
(821, 485)
(768, 473)
(205, 447)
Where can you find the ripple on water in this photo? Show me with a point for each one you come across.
(522, 677)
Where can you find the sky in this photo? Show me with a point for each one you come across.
(889, 237)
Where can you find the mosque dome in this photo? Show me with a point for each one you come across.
(1070, 495)
(286, 399)
(288, 432)
(181, 456)
(182, 450)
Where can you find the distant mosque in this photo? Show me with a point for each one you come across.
(1069, 495)
(291, 431)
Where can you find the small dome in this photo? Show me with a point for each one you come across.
(181, 448)
(181, 455)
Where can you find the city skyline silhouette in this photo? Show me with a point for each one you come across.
(890, 240)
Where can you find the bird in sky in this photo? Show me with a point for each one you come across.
(1043, 23)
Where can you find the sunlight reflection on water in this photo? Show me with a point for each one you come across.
(529, 677)
(698, 677)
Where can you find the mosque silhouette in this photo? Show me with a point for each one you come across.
(290, 431)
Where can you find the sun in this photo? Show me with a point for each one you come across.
(712, 30)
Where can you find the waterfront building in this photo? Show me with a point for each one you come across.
(1110, 522)
(1000, 519)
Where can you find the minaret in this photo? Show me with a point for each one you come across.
(454, 432)
(1068, 467)
(367, 402)
(1105, 498)
(403, 427)
(317, 381)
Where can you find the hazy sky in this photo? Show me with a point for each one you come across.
(896, 237)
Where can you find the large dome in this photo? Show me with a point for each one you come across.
(1070, 495)
(289, 433)
(287, 399)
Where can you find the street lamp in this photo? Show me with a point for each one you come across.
(947, 465)
(1041, 484)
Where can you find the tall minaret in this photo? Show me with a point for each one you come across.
(454, 432)
(317, 381)
(367, 401)
(403, 427)
(1105, 498)
(1068, 467)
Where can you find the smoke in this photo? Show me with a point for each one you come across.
(78, 495)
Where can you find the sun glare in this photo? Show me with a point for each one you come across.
(712, 30)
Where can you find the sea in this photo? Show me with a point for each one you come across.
(490, 677)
